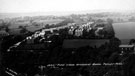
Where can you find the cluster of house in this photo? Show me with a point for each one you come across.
(79, 30)
(3, 33)
(73, 29)
(45, 33)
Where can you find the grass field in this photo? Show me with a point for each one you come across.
(53, 21)
(17, 24)
(124, 31)
(14, 26)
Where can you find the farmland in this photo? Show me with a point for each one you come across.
(14, 27)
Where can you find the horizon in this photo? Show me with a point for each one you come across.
(28, 6)
(61, 13)
(89, 11)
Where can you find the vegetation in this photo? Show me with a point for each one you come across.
(5, 25)
(54, 52)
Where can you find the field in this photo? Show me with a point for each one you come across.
(14, 26)
(52, 21)
(124, 31)
(76, 43)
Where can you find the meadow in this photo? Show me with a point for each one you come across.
(124, 31)
(14, 27)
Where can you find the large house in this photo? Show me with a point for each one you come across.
(127, 48)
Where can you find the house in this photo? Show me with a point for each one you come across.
(3, 33)
(127, 48)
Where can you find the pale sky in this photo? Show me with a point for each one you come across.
(19, 6)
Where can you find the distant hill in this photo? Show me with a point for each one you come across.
(11, 15)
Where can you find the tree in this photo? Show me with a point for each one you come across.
(35, 24)
(47, 26)
(100, 20)
(110, 31)
(5, 25)
(109, 20)
(132, 41)
(20, 27)
(129, 65)
(7, 29)
(23, 30)
(31, 21)
(131, 19)
(114, 43)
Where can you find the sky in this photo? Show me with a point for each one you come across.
(25, 6)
